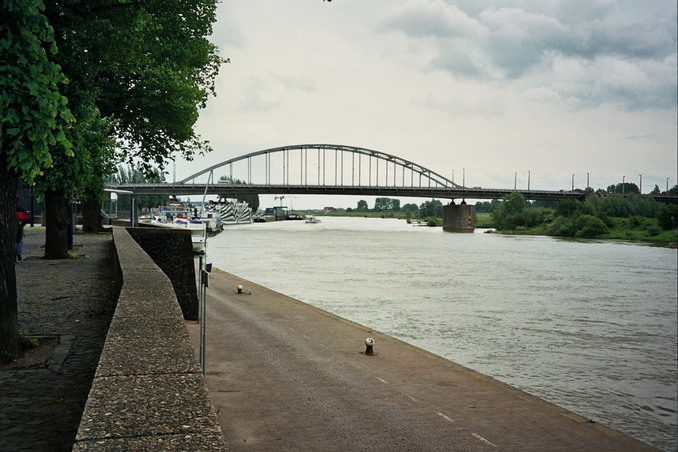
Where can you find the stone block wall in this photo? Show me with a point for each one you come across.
(172, 251)
(148, 392)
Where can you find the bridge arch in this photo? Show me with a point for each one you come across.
(358, 165)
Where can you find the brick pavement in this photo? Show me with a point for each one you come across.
(284, 375)
(73, 300)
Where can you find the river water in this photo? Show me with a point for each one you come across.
(588, 325)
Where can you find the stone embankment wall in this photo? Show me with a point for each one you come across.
(172, 251)
(148, 392)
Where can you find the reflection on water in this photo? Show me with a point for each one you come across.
(590, 326)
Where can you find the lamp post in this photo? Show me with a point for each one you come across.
(640, 187)
(572, 181)
(587, 180)
(623, 183)
(667, 185)
(463, 177)
(528, 180)
(515, 180)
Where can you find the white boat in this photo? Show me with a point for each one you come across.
(312, 219)
(213, 223)
(181, 220)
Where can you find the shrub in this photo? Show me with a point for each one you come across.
(588, 226)
(664, 217)
(562, 226)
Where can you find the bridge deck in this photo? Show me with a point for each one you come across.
(389, 191)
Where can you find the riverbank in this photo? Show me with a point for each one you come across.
(284, 375)
(645, 232)
(565, 320)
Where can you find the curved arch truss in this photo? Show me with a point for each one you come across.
(326, 165)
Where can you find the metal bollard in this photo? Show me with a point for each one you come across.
(369, 342)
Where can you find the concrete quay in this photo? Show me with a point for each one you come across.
(285, 376)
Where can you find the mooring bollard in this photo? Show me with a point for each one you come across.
(239, 288)
(369, 342)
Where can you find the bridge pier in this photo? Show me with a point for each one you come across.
(458, 217)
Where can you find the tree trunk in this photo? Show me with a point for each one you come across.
(91, 216)
(56, 225)
(9, 321)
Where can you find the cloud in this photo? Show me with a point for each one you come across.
(296, 82)
(255, 97)
(591, 52)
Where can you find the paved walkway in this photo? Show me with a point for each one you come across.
(285, 376)
(71, 299)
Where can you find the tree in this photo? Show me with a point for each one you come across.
(509, 214)
(487, 207)
(410, 209)
(388, 204)
(567, 207)
(362, 206)
(146, 68)
(624, 188)
(433, 208)
(130, 174)
(33, 119)
(668, 216)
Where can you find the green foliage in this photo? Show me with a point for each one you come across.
(410, 209)
(33, 112)
(562, 227)
(487, 207)
(668, 217)
(510, 213)
(362, 206)
(624, 188)
(386, 204)
(147, 64)
(130, 174)
(433, 208)
(588, 226)
(83, 173)
(622, 217)
(433, 221)
(567, 208)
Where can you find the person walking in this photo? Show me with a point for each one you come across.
(22, 219)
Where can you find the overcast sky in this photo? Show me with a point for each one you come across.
(491, 86)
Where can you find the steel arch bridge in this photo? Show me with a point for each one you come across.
(327, 169)
(294, 162)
